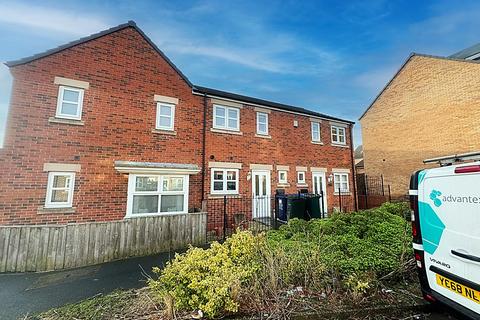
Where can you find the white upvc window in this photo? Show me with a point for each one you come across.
(224, 181)
(282, 176)
(150, 194)
(338, 135)
(262, 123)
(226, 118)
(69, 103)
(340, 182)
(60, 188)
(316, 132)
(301, 177)
(165, 116)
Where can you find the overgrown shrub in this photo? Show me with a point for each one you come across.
(348, 251)
(210, 279)
(376, 240)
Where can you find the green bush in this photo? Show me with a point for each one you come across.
(210, 279)
(376, 240)
(348, 251)
(401, 209)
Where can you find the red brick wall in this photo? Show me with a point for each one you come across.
(288, 146)
(124, 73)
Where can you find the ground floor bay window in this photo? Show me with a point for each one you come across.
(157, 194)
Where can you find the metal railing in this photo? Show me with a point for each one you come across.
(226, 214)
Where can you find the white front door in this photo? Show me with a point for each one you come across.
(319, 187)
(261, 193)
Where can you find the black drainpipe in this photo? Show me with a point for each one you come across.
(354, 178)
(203, 144)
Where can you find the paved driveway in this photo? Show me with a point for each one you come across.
(28, 293)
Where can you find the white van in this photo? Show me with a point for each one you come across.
(445, 205)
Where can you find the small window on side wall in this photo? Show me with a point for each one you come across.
(301, 177)
(282, 177)
(165, 116)
(60, 188)
(69, 103)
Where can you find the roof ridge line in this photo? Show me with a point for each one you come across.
(411, 55)
(266, 103)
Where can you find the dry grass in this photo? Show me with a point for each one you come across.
(130, 304)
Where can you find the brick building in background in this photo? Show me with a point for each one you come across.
(430, 108)
(107, 128)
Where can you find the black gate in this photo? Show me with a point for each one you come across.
(371, 191)
(226, 214)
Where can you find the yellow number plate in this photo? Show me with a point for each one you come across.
(458, 288)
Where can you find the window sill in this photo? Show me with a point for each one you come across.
(66, 121)
(166, 132)
(264, 136)
(302, 185)
(238, 133)
(146, 215)
(220, 196)
(317, 142)
(283, 185)
(66, 210)
(346, 193)
(340, 145)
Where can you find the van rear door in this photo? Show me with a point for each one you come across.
(449, 210)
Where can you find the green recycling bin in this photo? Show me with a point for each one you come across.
(296, 207)
(313, 210)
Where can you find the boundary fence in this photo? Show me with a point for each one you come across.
(56, 247)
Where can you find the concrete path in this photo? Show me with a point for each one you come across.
(29, 293)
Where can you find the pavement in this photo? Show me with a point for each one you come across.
(30, 293)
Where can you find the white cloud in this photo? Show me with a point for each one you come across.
(234, 55)
(50, 19)
(280, 54)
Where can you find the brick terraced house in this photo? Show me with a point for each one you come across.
(106, 128)
(430, 108)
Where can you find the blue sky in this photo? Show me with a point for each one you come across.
(329, 56)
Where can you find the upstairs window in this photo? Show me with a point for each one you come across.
(165, 116)
(262, 123)
(70, 102)
(338, 135)
(226, 118)
(316, 132)
(224, 181)
(60, 189)
(340, 181)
